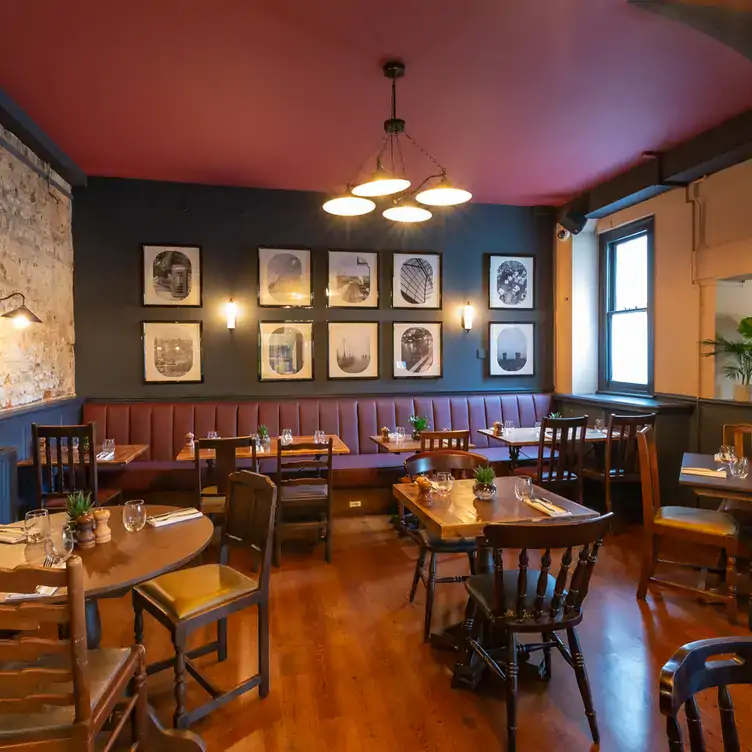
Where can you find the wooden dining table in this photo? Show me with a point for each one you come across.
(124, 455)
(408, 445)
(187, 454)
(721, 487)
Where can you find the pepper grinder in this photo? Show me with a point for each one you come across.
(190, 441)
(102, 532)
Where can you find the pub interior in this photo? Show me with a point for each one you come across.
(375, 379)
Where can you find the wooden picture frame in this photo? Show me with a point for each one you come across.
(171, 275)
(173, 352)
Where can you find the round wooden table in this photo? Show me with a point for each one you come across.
(111, 569)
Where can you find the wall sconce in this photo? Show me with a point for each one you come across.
(21, 316)
(468, 316)
(231, 309)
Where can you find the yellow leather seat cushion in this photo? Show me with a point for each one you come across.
(700, 520)
(212, 503)
(303, 492)
(188, 592)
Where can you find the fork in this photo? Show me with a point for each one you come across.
(48, 561)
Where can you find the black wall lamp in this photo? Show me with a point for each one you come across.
(21, 316)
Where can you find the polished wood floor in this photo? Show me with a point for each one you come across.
(350, 673)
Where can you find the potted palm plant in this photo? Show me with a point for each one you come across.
(738, 358)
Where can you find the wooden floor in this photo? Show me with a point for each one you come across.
(350, 673)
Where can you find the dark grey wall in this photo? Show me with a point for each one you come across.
(112, 217)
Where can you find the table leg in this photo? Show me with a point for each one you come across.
(93, 624)
(514, 456)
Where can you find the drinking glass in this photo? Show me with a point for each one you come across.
(400, 434)
(37, 523)
(739, 467)
(444, 483)
(60, 544)
(212, 435)
(108, 446)
(523, 488)
(537, 429)
(286, 436)
(508, 426)
(727, 453)
(134, 515)
(600, 425)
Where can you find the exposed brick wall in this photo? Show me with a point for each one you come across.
(36, 258)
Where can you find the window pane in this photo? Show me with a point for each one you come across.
(629, 347)
(631, 272)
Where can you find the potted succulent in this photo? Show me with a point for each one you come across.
(419, 424)
(78, 506)
(555, 416)
(263, 434)
(484, 488)
(738, 356)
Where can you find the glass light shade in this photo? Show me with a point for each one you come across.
(444, 195)
(407, 213)
(381, 186)
(231, 309)
(468, 316)
(349, 206)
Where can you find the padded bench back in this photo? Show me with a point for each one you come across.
(163, 425)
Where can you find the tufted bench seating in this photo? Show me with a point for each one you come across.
(164, 425)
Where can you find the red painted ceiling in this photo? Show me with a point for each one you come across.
(525, 101)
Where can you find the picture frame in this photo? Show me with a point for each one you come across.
(352, 279)
(511, 282)
(171, 275)
(416, 280)
(173, 352)
(284, 278)
(353, 350)
(418, 349)
(286, 351)
(515, 339)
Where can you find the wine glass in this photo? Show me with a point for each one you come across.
(134, 515)
(537, 429)
(739, 467)
(523, 488)
(59, 546)
(400, 434)
(444, 483)
(508, 426)
(37, 524)
(600, 425)
(212, 435)
(727, 453)
(286, 436)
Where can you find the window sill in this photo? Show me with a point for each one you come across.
(631, 402)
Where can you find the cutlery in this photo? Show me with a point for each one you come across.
(167, 515)
(548, 505)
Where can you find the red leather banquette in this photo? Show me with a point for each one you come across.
(164, 425)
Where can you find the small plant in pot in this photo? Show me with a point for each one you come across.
(419, 424)
(78, 506)
(263, 434)
(738, 357)
(484, 488)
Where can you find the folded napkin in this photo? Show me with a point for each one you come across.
(171, 518)
(547, 508)
(704, 471)
(12, 535)
(106, 456)
(43, 591)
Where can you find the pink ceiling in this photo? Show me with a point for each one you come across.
(525, 101)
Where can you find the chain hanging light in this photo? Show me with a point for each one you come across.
(389, 179)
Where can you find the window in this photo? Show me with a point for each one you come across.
(626, 321)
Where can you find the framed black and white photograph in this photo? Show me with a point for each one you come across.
(171, 275)
(172, 352)
(417, 350)
(285, 350)
(285, 277)
(353, 279)
(416, 280)
(511, 349)
(353, 350)
(511, 281)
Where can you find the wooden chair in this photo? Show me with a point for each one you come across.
(461, 463)
(431, 441)
(739, 435)
(190, 599)
(525, 601)
(559, 466)
(55, 694)
(701, 665)
(704, 527)
(212, 495)
(621, 461)
(305, 502)
(61, 471)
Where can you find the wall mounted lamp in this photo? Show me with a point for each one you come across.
(231, 309)
(468, 316)
(21, 316)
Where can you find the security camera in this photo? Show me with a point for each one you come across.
(562, 233)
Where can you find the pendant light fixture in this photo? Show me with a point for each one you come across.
(21, 316)
(389, 178)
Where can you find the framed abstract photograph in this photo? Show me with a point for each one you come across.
(353, 279)
(286, 350)
(171, 275)
(418, 350)
(511, 349)
(173, 352)
(511, 281)
(416, 280)
(285, 277)
(353, 350)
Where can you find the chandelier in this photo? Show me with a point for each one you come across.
(389, 178)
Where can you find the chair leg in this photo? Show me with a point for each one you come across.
(138, 621)
(649, 556)
(277, 554)
(429, 596)
(328, 543)
(222, 640)
(140, 720)
(511, 682)
(545, 667)
(732, 605)
(263, 648)
(471, 560)
(179, 719)
(583, 683)
(419, 564)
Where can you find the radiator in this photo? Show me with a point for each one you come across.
(8, 485)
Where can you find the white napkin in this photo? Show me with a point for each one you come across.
(170, 519)
(12, 535)
(547, 508)
(43, 591)
(106, 456)
(704, 471)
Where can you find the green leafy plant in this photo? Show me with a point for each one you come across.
(77, 504)
(484, 475)
(555, 416)
(737, 353)
(418, 422)
(263, 432)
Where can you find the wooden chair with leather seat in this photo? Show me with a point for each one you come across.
(621, 459)
(431, 441)
(520, 600)
(212, 475)
(190, 599)
(304, 503)
(559, 466)
(55, 694)
(704, 527)
(428, 463)
(697, 666)
(60, 472)
(738, 435)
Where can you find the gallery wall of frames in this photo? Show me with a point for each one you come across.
(325, 305)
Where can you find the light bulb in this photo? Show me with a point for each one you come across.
(349, 206)
(381, 186)
(20, 321)
(407, 213)
(231, 309)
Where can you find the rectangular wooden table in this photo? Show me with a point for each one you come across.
(719, 488)
(411, 446)
(124, 455)
(270, 450)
